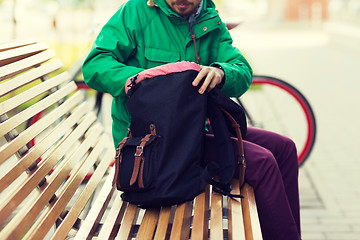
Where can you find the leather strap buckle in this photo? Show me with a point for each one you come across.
(241, 159)
(139, 151)
(117, 155)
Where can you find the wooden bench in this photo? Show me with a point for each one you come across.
(43, 194)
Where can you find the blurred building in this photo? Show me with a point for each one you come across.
(298, 10)
(341, 11)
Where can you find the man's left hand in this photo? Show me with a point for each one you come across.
(213, 76)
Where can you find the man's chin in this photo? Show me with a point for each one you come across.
(183, 11)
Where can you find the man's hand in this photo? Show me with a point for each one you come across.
(213, 76)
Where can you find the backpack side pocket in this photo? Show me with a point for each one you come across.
(135, 163)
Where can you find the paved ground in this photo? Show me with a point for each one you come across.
(326, 68)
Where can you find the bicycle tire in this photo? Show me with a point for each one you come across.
(299, 102)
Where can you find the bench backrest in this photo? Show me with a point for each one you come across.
(43, 165)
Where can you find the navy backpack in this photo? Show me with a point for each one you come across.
(162, 161)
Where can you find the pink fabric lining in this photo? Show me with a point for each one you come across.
(163, 70)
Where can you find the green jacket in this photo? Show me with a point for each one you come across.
(139, 37)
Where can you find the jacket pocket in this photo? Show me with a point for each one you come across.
(136, 164)
(156, 56)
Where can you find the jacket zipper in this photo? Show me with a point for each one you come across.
(193, 37)
(192, 33)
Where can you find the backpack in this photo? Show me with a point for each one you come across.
(161, 161)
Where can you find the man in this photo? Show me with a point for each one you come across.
(142, 35)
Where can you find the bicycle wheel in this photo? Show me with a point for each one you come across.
(275, 105)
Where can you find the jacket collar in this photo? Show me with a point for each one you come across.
(193, 17)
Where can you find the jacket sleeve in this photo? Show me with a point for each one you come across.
(238, 73)
(105, 67)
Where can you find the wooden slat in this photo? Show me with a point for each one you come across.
(148, 224)
(92, 132)
(21, 192)
(182, 218)
(216, 217)
(29, 94)
(201, 216)
(251, 219)
(163, 223)
(40, 148)
(236, 222)
(30, 112)
(31, 132)
(30, 76)
(15, 44)
(84, 197)
(25, 64)
(56, 208)
(16, 54)
(115, 215)
(31, 210)
(90, 224)
(128, 222)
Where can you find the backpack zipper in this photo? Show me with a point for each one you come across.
(133, 81)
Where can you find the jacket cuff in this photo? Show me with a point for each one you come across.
(223, 79)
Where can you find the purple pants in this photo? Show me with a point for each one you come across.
(272, 170)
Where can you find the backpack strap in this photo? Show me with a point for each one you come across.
(118, 158)
(222, 123)
(218, 187)
(139, 159)
(223, 143)
(241, 161)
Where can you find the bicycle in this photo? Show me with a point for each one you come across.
(276, 105)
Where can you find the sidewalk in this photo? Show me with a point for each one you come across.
(326, 71)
